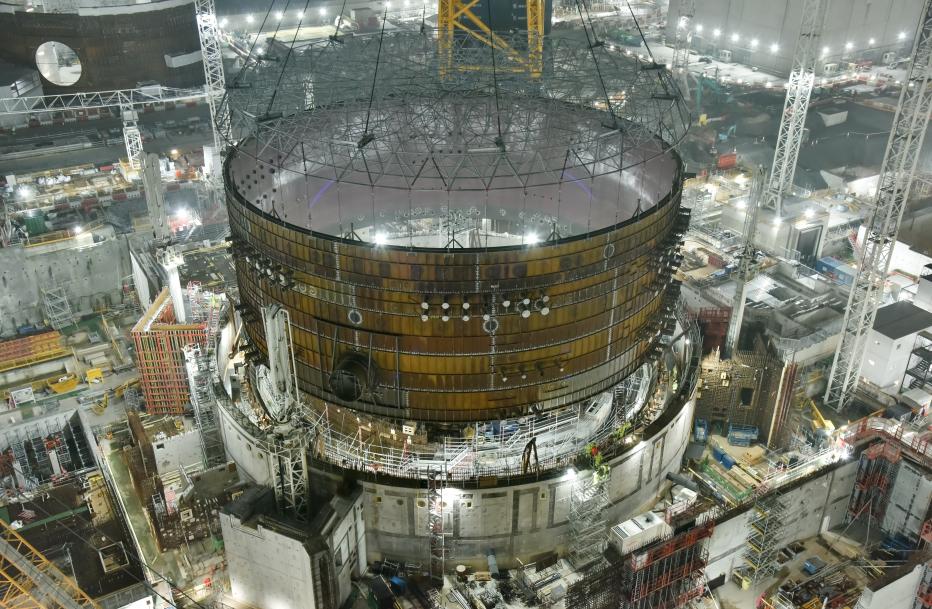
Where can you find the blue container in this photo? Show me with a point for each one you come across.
(727, 461)
(701, 430)
(717, 453)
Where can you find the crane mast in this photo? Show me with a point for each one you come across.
(896, 178)
(795, 106)
(680, 63)
(746, 260)
(208, 31)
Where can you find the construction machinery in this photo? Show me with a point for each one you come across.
(798, 92)
(457, 18)
(896, 178)
(28, 580)
(747, 260)
(101, 405)
(820, 428)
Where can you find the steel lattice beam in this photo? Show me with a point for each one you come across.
(680, 63)
(747, 258)
(208, 31)
(796, 105)
(28, 580)
(98, 99)
(896, 179)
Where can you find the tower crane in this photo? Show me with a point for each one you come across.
(680, 63)
(746, 260)
(208, 31)
(28, 580)
(798, 92)
(896, 178)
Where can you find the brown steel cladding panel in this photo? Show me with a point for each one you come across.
(116, 51)
(361, 304)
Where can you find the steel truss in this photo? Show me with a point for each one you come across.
(798, 91)
(680, 63)
(202, 402)
(456, 18)
(28, 580)
(435, 486)
(388, 138)
(57, 307)
(119, 98)
(747, 259)
(208, 31)
(289, 454)
(896, 179)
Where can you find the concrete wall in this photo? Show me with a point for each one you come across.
(266, 569)
(183, 449)
(518, 521)
(814, 506)
(909, 501)
(854, 21)
(91, 275)
(274, 571)
(898, 594)
(242, 449)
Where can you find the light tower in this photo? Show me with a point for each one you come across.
(896, 179)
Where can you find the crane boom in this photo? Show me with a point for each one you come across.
(746, 260)
(28, 580)
(796, 105)
(896, 178)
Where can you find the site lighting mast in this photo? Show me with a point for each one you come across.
(896, 179)
(747, 258)
(796, 105)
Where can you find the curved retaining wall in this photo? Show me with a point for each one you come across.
(517, 520)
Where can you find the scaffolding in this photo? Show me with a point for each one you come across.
(873, 482)
(289, 453)
(160, 343)
(918, 373)
(670, 573)
(57, 308)
(435, 483)
(588, 500)
(764, 531)
(30, 350)
(199, 381)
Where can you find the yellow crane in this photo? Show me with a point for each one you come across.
(457, 16)
(28, 580)
(821, 429)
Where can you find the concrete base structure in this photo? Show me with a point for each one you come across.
(517, 520)
(277, 563)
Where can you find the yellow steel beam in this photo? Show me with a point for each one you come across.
(451, 15)
(17, 586)
(535, 36)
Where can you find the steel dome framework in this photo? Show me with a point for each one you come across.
(385, 112)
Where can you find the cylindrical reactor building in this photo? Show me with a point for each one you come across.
(477, 264)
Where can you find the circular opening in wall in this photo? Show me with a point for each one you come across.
(58, 63)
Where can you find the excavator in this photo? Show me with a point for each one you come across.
(821, 429)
